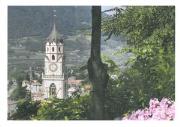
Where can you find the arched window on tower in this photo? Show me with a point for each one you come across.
(52, 90)
(59, 49)
(53, 49)
(53, 57)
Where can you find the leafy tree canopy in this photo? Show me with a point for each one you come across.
(75, 108)
(150, 35)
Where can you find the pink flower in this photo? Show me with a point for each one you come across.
(163, 110)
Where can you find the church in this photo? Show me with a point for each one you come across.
(53, 83)
(53, 76)
(53, 79)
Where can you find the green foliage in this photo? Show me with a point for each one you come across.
(113, 69)
(139, 23)
(150, 35)
(19, 92)
(69, 109)
(26, 109)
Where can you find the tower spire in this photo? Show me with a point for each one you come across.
(54, 35)
(54, 24)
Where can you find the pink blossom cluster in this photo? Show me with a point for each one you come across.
(158, 110)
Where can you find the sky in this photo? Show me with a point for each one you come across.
(103, 8)
(106, 7)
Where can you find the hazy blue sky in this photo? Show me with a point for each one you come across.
(103, 8)
(106, 7)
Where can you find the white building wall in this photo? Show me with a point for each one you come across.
(60, 90)
(56, 77)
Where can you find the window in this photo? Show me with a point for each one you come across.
(52, 90)
(59, 49)
(53, 57)
(53, 49)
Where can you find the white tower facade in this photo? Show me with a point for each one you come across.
(53, 76)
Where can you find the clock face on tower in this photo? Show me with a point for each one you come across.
(53, 67)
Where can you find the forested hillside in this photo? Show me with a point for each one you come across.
(37, 21)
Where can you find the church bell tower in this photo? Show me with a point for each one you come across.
(53, 76)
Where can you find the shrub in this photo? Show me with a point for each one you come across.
(158, 110)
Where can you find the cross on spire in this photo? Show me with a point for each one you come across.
(54, 16)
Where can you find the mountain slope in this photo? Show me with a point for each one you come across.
(37, 20)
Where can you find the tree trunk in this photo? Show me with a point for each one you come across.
(96, 69)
